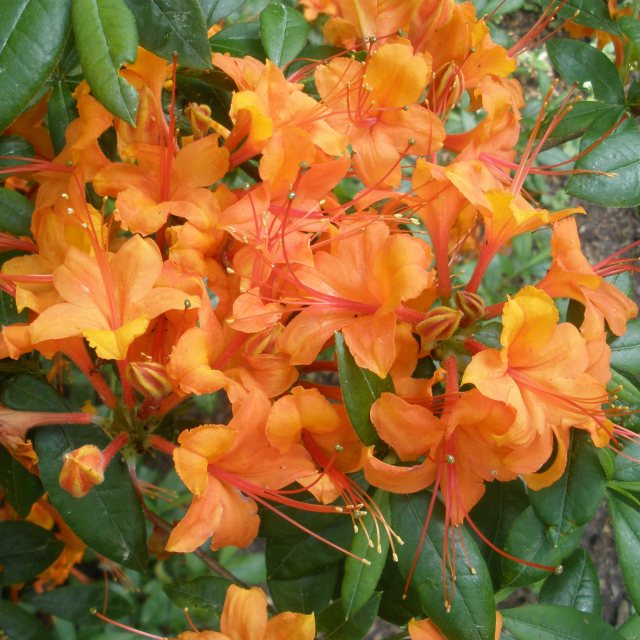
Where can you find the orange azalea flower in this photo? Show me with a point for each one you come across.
(244, 617)
(571, 276)
(383, 271)
(228, 469)
(375, 104)
(541, 372)
(109, 299)
(426, 630)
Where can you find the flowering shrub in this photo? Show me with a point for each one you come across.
(252, 297)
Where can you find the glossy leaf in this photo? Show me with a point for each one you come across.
(494, 515)
(552, 622)
(582, 116)
(17, 624)
(8, 310)
(15, 213)
(14, 146)
(25, 551)
(32, 34)
(168, 26)
(360, 580)
(106, 38)
(305, 594)
(577, 586)
(626, 530)
(397, 610)
(619, 155)
(62, 111)
(630, 630)
(625, 349)
(204, 597)
(360, 389)
(21, 487)
(472, 612)
(631, 28)
(579, 62)
(215, 10)
(574, 498)
(239, 40)
(531, 540)
(590, 13)
(331, 620)
(283, 32)
(109, 518)
(627, 392)
(626, 469)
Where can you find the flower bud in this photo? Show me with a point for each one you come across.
(471, 304)
(440, 324)
(82, 469)
(446, 86)
(150, 379)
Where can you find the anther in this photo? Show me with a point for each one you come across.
(84, 225)
(394, 557)
(64, 196)
(372, 39)
(229, 320)
(398, 215)
(411, 141)
(69, 163)
(450, 459)
(291, 195)
(558, 570)
(246, 187)
(405, 107)
(339, 448)
(365, 562)
(230, 270)
(414, 221)
(70, 211)
(187, 303)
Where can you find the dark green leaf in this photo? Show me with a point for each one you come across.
(17, 624)
(619, 155)
(531, 540)
(552, 622)
(631, 28)
(579, 62)
(626, 530)
(574, 498)
(75, 602)
(576, 587)
(109, 518)
(106, 38)
(15, 213)
(204, 596)
(583, 114)
(494, 515)
(360, 580)
(283, 33)
(168, 26)
(21, 487)
(626, 469)
(360, 389)
(630, 630)
(590, 13)
(625, 349)
(331, 620)
(25, 551)
(306, 594)
(472, 611)
(626, 390)
(8, 310)
(14, 146)
(394, 607)
(62, 111)
(239, 40)
(212, 88)
(215, 10)
(32, 34)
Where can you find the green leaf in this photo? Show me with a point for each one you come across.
(15, 213)
(578, 585)
(552, 622)
(625, 349)
(494, 515)
(579, 62)
(8, 310)
(626, 469)
(394, 607)
(360, 389)
(168, 26)
(106, 38)
(630, 630)
(204, 596)
(17, 624)
(32, 34)
(61, 112)
(583, 114)
(360, 580)
(626, 530)
(331, 620)
(574, 498)
(619, 155)
(631, 28)
(215, 10)
(21, 487)
(239, 40)
(533, 541)
(14, 146)
(283, 33)
(590, 13)
(25, 551)
(211, 87)
(472, 611)
(628, 394)
(109, 519)
(306, 594)
(75, 602)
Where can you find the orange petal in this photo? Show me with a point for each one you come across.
(244, 616)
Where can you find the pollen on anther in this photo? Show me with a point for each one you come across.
(394, 556)
(64, 196)
(187, 304)
(291, 195)
(70, 211)
(558, 570)
(230, 271)
(450, 459)
(339, 448)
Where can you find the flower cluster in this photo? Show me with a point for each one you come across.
(226, 259)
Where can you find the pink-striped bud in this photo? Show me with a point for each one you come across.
(150, 379)
(471, 304)
(440, 324)
(81, 470)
